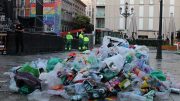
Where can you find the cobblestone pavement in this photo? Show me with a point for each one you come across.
(170, 62)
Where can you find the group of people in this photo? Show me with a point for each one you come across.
(83, 41)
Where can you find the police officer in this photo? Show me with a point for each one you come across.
(19, 29)
(69, 39)
(81, 38)
(86, 43)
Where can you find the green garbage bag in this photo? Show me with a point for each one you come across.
(25, 90)
(108, 75)
(52, 62)
(27, 68)
(158, 74)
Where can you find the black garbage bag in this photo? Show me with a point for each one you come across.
(26, 82)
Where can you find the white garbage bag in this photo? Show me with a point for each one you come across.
(62, 93)
(115, 41)
(142, 49)
(129, 96)
(13, 87)
(50, 78)
(58, 67)
(37, 95)
(115, 63)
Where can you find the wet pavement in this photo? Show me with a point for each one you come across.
(169, 63)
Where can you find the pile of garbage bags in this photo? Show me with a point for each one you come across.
(116, 69)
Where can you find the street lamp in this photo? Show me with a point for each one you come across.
(126, 14)
(159, 40)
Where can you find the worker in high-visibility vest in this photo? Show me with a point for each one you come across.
(81, 38)
(86, 43)
(69, 39)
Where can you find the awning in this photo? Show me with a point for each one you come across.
(72, 32)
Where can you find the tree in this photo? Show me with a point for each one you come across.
(81, 21)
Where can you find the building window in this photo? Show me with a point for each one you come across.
(171, 10)
(171, 2)
(89, 7)
(100, 12)
(151, 24)
(141, 11)
(151, 1)
(141, 23)
(131, 2)
(89, 13)
(122, 2)
(141, 1)
(151, 11)
(100, 23)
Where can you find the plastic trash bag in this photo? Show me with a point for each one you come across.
(78, 77)
(86, 52)
(162, 96)
(128, 67)
(62, 93)
(51, 63)
(158, 75)
(93, 60)
(95, 77)
(28, 69)
(37, 95)
(58, 67)
(108, 74)
(123, 51)
(26, 82)
(41, 64)
(50, 78)
(141, 64)
(130, 96)
(142, 49)
(77, 65)
(176, 85)
(13, 87)
(115, 41)
(103, 52)
(75, 89)
(149, 96)
(115, 63)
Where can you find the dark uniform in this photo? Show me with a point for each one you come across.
(19, 38)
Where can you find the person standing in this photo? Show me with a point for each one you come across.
(69, 39)
(19, 29)
(86, 42)
(81, 38)
(172, 38)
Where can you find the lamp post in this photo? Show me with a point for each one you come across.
(159, 40)
(126, 14)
